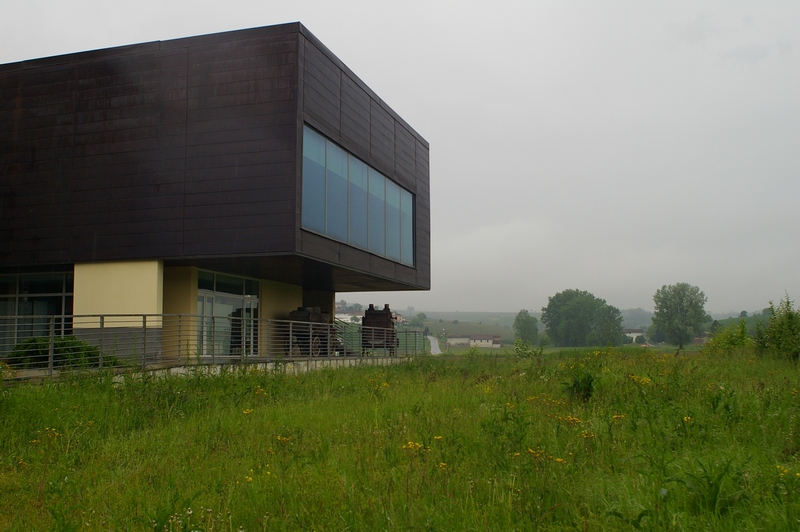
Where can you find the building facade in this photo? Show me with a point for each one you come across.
(245, 173)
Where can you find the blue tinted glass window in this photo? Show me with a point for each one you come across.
(359, 197)
(336, 201)
(392, 220)
(406, 227)
(377, 212)
(346, 200)
(313, 209)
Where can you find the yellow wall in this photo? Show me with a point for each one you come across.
(180, 297)
(277, 300)
(180, 290)
(118, 288)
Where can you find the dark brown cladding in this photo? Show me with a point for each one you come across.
(190, 149)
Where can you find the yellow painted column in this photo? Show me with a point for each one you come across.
(180, 308)
(275, 302)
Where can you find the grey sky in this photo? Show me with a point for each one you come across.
(610, 146)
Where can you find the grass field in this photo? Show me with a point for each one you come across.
(589, 440)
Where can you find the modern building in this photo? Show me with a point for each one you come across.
(245, 173)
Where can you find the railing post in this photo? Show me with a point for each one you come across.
(213, 334)
(102, 343)
(144, 342)
(291, 337)
(51, 348)
(180, 338)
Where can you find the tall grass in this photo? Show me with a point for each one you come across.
(703, 442)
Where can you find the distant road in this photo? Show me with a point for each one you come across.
(434, 345)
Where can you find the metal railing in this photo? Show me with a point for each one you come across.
(144, 341)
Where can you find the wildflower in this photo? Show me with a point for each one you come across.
(248, 411)
(413, 446)
(560, 461)
(618, 417)
(442, 465)
(587, 435)
(535, 453)
(570, 420)
(641, 380)
(385, 385)
(687, 419)
(438, 438)
(260, 391)
(283, 439)
(782, 470)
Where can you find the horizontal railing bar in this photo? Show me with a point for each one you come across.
(56, 342)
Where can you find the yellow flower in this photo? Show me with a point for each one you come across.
(413, 446)
(687, 419)
(248, 411)
(438, 438)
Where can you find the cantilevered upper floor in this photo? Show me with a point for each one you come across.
(255, 153)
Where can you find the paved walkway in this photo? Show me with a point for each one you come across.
(434, 345)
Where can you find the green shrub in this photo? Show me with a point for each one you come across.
(781, 335)
(581, 383)
(729, 338)
(68, 351)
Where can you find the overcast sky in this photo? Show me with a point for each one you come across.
(611, 146)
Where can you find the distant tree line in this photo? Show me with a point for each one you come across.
(577, 318)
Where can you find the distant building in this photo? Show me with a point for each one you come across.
(633, 333)
(479, 340)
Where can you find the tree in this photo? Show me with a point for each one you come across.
(576, 318)
(781, 335)
(418, 320)
(679, 312)
(526, 327)
(655, 335)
